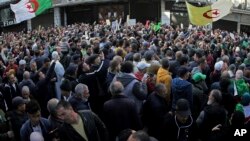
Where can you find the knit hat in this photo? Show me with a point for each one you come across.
(66, 85)
(239, 107)
(218, 65)
(182, 107)
(182, 71)
(198, 77)
(22, 62)
(16, 101)
(245, 99)
(142, 65)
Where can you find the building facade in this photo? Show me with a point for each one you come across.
(173, 12)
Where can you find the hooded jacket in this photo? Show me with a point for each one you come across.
(164, 77)
(177, 131)
(181, 89)
(133, 88)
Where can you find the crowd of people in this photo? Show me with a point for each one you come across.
(87, 82)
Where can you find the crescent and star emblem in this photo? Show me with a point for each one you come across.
(214, 13)
(32, 6)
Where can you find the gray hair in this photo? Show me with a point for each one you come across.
(55, 55)
(225, 58)
(51, 105)
(80, 88)
(25, 89)
(116, 88)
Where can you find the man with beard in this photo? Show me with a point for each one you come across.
(212, 115)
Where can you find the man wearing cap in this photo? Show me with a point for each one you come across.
(179, 126)
(164, 77)
(21, 70)
(142, 69)
(199, 88)
(215, 75)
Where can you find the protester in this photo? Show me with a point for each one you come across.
(97, 54)
(80, 126)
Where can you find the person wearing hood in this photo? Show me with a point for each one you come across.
(133, 88)
(181, 88)
(199, 88)
(179, 126)
(164, 77)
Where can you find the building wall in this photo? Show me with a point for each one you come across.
(143, 10)
(45, 20)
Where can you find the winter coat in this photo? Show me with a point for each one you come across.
(94, 128)
(133, 89)
(119, 114)
(27, 129)
(177, 131)
(164, 77)
(181, 89)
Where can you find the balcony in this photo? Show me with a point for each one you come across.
(241, 6)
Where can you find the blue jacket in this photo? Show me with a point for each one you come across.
(79, 104)
(181, 89)
(27, 129)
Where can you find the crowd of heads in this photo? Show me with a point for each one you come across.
(98, 61)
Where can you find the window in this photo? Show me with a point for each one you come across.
(6, 14)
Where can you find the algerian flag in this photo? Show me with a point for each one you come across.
(27, 9)
(208, 14)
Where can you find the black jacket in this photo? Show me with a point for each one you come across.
(154, 111)
(93, 126)
(119, 114)
(173, 130)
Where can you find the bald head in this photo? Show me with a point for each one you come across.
(51, 105)
(239, 74)
(116, 88)
(26, 75)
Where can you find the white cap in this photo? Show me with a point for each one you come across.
(218, 65)
(142, 65)
(22, 62)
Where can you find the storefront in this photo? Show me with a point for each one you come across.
(178, 11)
(98, 13)
(245, 28)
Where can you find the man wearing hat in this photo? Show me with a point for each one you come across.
(179, 126)
(199, 88)
(21, 70)
(142, 69)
